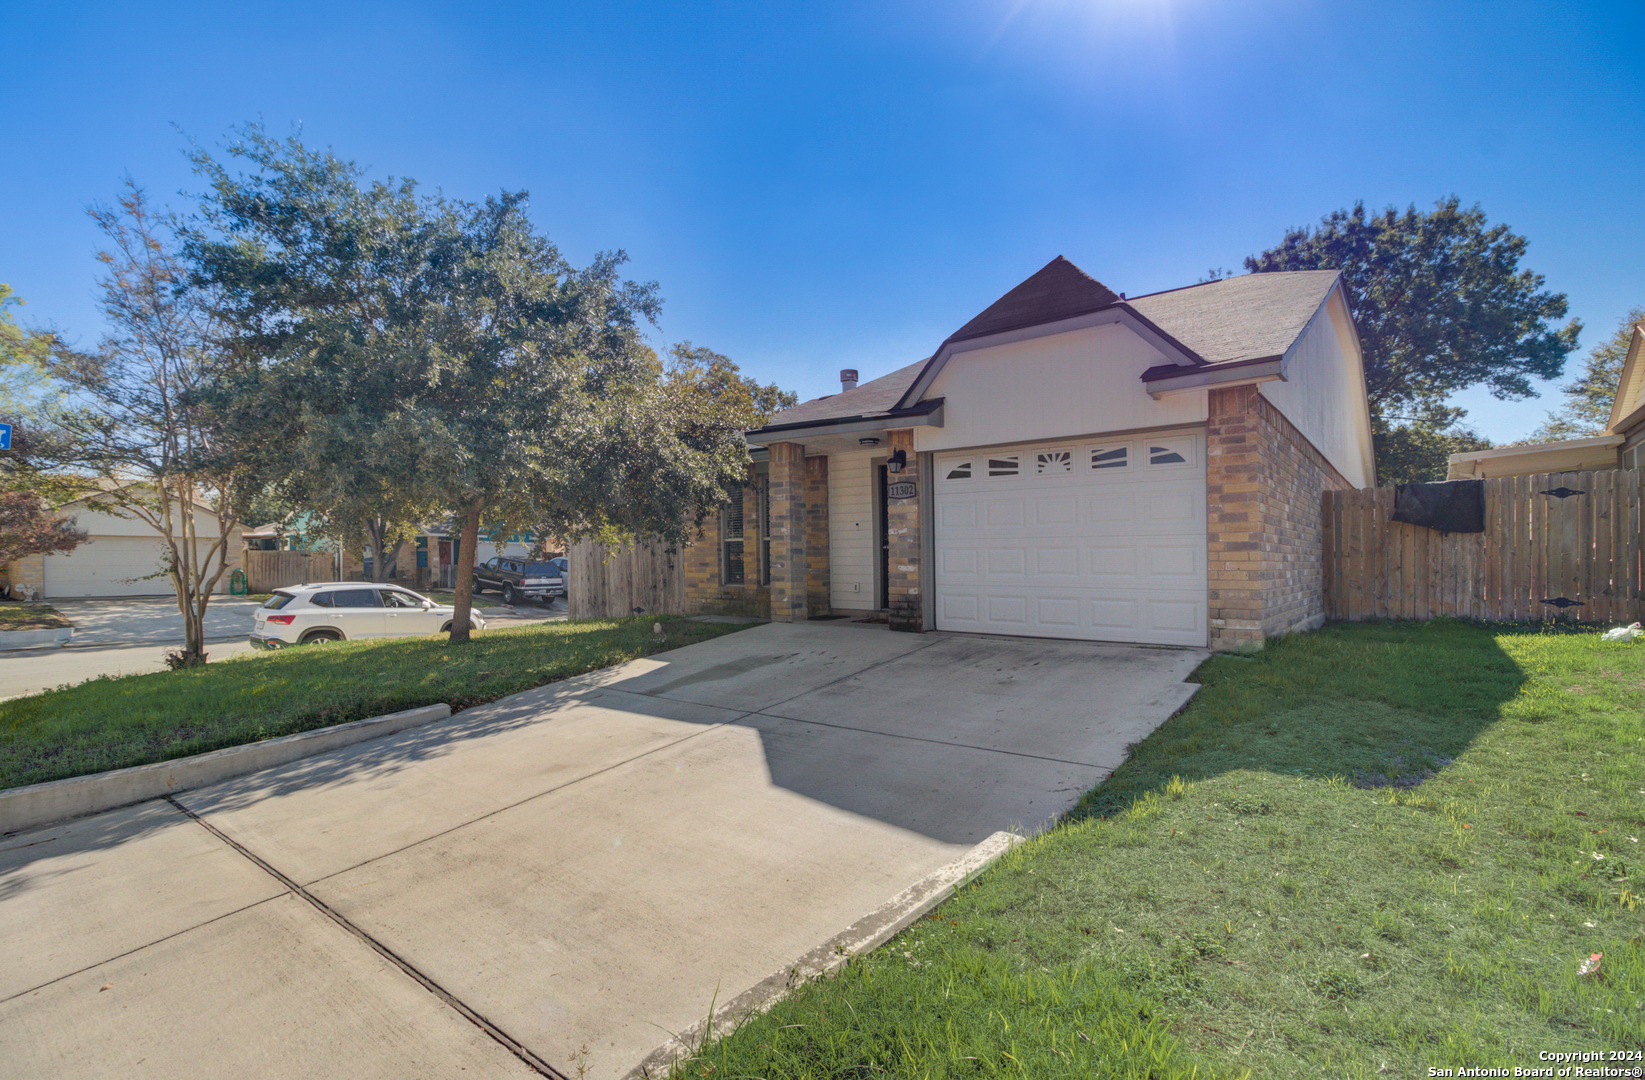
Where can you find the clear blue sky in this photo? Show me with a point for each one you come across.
(822, 186)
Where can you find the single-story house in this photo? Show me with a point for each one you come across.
(1071, 463)
(124, 556)
(1620, 446)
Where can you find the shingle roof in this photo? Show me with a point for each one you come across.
(1239, 318)
(867, 399)
(1057, 290)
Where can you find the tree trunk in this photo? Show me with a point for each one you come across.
(464, 583)
(186, 579)
(374, 538)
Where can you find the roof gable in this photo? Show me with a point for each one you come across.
(1058, 290)
(1630, 385)
(1239, 318)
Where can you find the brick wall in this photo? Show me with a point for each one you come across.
(817, 580)
(705, 593)
(902, 520)
(27, 572)
(788, 544)
(1264, 488)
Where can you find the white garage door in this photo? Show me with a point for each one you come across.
(1103, 540)
(109, 566)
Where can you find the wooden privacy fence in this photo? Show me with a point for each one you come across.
(1556, 545)
(605, 582)
(270, 570)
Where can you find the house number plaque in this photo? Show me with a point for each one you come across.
(902, 489)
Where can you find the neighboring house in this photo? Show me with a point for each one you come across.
(1620, 446)
(298, 532)
(1068, 464)
(124, 556)
(428, 559)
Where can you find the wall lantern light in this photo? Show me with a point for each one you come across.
(896, 462)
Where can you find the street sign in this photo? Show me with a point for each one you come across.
(5, 436)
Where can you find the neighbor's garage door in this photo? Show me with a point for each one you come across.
(1102, 540)
(108, 566)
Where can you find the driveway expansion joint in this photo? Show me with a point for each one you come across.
(508, 1042)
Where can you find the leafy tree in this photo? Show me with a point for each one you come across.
(1415, 453)
(28, 527)
(1588, 400)
(404, 353)
(25, 355)
(140, 425)
(323, 282)
(1441, 303)
(673, 439)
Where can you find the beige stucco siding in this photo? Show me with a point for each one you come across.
(1323, 395)
(1063, 386)
(851, 530)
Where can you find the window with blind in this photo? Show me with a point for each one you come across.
(731, 538)
(765, 532)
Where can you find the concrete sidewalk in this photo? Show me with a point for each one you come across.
(555, 882)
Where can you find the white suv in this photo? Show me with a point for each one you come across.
(346, 610)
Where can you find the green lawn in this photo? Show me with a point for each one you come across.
(31, 617)
(1363, 852)
(112, 723)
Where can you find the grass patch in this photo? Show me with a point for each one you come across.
(31, 617)
(1365, 851)
(111, 723)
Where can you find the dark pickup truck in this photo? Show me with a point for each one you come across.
(518, 578)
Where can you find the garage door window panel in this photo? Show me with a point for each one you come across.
(1108, 458)
(1005, 467)
(1055, 462)
(1171, 453)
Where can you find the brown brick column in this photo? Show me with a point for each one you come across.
(903, 526)
(817, 579)
(1233, 519)
(788, 532)
(1264, 487)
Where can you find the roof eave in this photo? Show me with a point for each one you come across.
(1260, 369)
(1498, 453)
(924, 414)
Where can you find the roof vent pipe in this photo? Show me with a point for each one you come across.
(848, 379)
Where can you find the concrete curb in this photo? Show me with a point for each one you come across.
(29, 639)
(868, 932)
(40, 804)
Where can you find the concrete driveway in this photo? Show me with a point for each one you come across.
(555, 882)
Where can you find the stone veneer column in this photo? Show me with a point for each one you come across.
(817, 578)
(788, 539)
(904, 533)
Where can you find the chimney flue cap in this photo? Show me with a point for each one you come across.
(848, 379)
